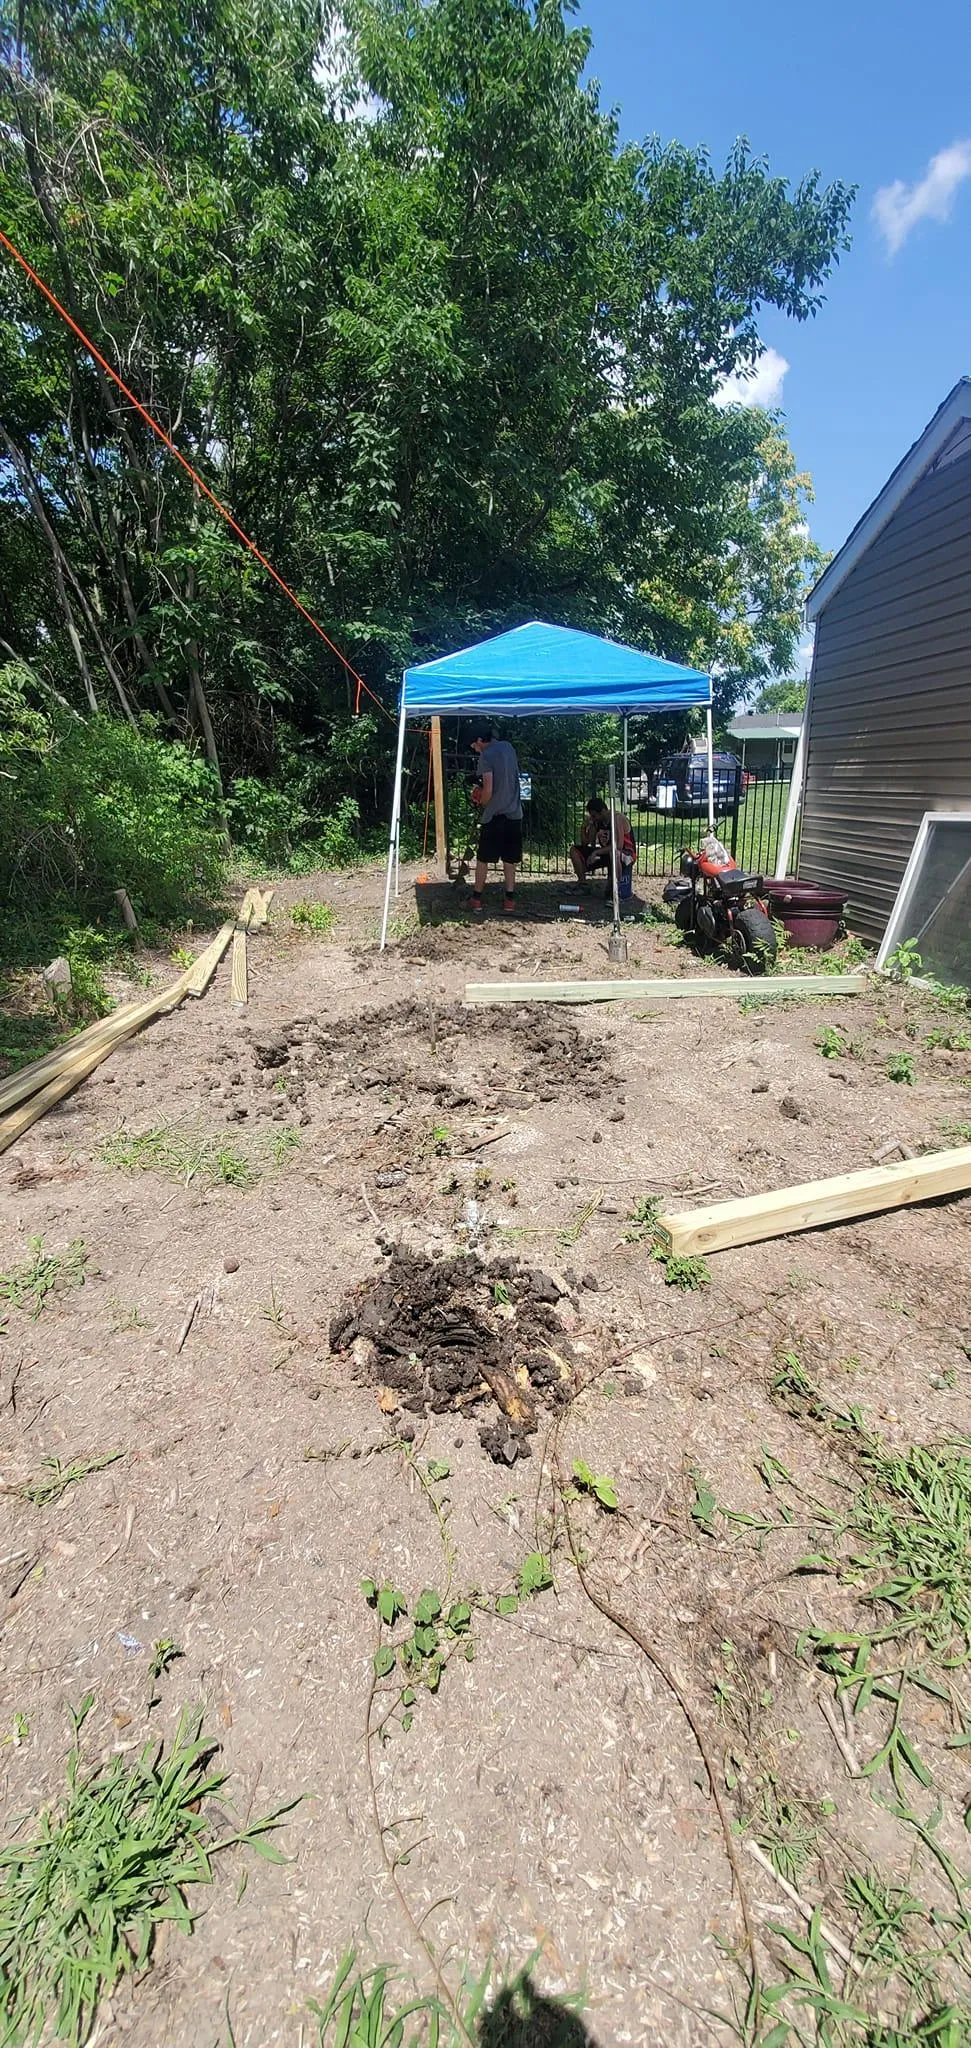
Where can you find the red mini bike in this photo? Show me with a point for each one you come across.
(716, 904)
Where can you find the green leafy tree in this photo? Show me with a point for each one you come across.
(448, 349)
(787, 695)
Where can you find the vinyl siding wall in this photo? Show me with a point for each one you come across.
(890, 712)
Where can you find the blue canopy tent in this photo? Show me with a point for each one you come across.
(539, 671)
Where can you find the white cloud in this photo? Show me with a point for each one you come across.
(759, 385)
(897, 208)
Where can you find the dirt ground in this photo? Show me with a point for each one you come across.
(550, 1792)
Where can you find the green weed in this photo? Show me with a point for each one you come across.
(960, 1131)
(567, 1237)
(28, 1286)
(683, 1272)
(900, 1067)
(596, 1484)
(83, 1894)
(944, 1035)
(535, 1575)
(43, 1492)
(642, 1219)
(904, 962)
(831, 1043)
(313, 917)
(421, 1653)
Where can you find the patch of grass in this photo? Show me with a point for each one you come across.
(372, 2009)
(283, 1144)
(900, 1067)
(784, 1826)
(83, 1894)
(567, 1237)
(686, 1273)
(124, 1316)
(43, 1492)
(962, 1132)
(313, 917)
(207, 1158)
(27, 1287)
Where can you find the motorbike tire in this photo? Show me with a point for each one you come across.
(761, 945)
(684, 915)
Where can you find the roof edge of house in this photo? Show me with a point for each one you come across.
(955, 407)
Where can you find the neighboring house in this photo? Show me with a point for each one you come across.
(888, 719)
(767, 741)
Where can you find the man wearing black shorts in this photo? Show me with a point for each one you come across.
(501, 820)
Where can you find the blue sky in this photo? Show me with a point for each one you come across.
(872, 93)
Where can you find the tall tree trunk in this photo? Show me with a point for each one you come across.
(36, 504)
(64, 574)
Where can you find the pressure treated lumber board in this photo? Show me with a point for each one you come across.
(261, 908)
(771, 988)
(816, 1202)
(239, 986)
(27, 1080)
(78, 1060)
(49, 1079)
(203, 969)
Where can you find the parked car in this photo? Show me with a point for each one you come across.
(680, 784)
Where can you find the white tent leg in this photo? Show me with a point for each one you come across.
(395, 837)
(711, 772)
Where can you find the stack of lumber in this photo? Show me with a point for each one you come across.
(27, 1095)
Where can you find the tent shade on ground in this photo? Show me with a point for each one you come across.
(541, 671)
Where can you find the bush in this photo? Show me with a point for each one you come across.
(91, 806)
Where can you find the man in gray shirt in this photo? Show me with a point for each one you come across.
(501, 815)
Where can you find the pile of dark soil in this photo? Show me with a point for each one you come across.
(461, 1333)
(444, 1052)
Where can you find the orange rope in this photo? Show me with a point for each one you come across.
(87, 343)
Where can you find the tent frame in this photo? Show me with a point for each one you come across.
(394, 840)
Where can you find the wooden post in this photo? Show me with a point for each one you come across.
(128, 916)
(438, 787)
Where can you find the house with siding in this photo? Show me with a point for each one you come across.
(888, 717)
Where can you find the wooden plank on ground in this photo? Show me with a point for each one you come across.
(239, 987)
(201, 973)
(686, 988)
(27, 1080)
(79, 1057)
(262, 898)
(817, 1202)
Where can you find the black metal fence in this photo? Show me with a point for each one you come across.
(749, 822)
